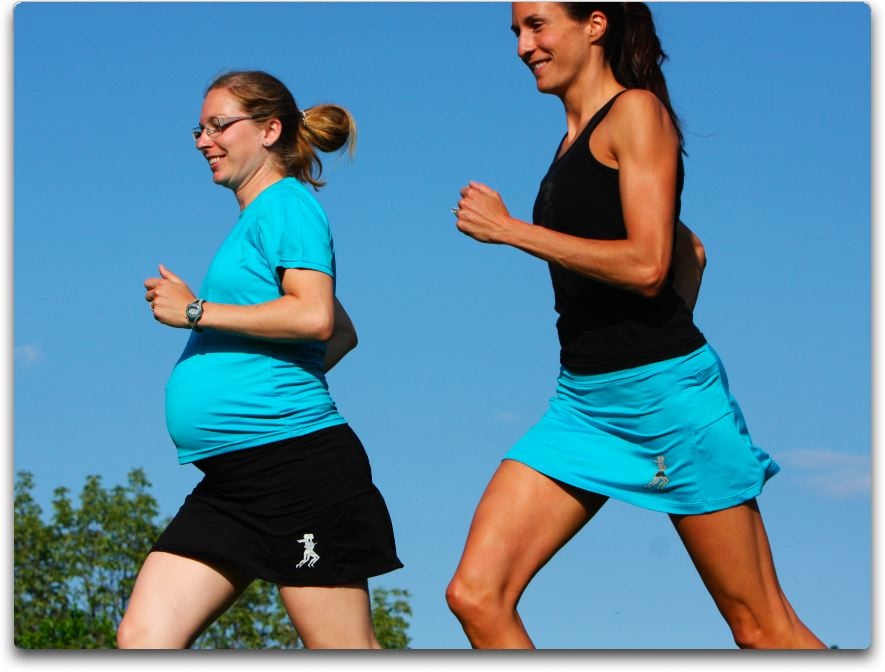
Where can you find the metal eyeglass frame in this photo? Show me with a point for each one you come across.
(217, 124)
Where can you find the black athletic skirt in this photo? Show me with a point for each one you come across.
(298, 512)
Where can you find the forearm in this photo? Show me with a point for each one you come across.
(689, 262)
(637, 267)
(343, 339)
(288, 318)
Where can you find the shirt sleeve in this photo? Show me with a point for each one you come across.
(294, 233)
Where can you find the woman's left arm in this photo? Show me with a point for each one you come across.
(646, 148)
(343, 338)
(689, 262)
(305, 311)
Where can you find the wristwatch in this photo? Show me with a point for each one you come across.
(194, 312)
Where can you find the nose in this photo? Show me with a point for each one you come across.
(524, 44)
(202, 141)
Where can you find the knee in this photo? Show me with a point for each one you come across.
(757, 631)
(135, 633)
(748, 636)
(763, 638)
(472, 601)
(458, 596)
(129, 634)
(787, 634)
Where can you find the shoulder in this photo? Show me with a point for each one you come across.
(288, 214)
(638, 106)
(288, 199)
(638, 117)
(289, 192)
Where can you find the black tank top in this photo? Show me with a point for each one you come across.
(604, 328)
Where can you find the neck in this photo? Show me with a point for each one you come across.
(593, 89)
(261, 180)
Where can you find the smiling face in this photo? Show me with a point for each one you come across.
(236, 155)
(554, 46)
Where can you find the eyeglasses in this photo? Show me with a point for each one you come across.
(217, 125)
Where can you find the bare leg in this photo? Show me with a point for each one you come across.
(174, 599)
(731, 552)
(331, 617)
(522, 520)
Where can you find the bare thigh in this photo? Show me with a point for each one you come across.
(731, 552)
(174, 599)
(331, 617)
(522, 520)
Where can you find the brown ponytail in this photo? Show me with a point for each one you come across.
(632, 47)
(326, 127)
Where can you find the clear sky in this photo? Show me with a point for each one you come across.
(458, 353)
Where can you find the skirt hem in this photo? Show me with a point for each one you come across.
(647, 502)
(201, 555)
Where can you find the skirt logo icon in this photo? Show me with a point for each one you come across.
(310, 556)
(660, 480)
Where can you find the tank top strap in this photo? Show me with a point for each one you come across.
(584, 136)
(597, 118)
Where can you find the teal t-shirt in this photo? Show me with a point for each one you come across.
(228, 392)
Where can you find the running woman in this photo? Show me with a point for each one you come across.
(642, 410)
(287, 494)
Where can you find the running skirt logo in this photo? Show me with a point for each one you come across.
(660, 480)
(310, 556)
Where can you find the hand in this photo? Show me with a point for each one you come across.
(482, 214)
(168, 297)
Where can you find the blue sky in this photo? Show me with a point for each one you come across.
(458, 353)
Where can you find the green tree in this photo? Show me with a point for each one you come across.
(390, 609)
(257, 621)
(73, 575)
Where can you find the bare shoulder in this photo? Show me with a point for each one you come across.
(639, 117)
(639, 105)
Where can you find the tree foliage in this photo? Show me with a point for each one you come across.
(390, 609)
(73, 575)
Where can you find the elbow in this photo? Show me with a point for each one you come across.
(319, 326)
(700, 254)
(323, 335)
(651, 291)
(323, 330)
(651, 281)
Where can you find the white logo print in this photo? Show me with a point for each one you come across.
(310, 556)
(660, 480)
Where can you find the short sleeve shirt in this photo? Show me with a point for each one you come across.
(228, 392)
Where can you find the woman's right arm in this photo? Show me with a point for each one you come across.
(645, 146)
(305, 311)
(689, 261)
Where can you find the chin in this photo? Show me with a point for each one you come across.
(550, 88)
(543, 87)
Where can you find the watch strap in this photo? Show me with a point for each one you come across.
(198, 305)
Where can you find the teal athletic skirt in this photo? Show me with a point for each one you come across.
(667, 436)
